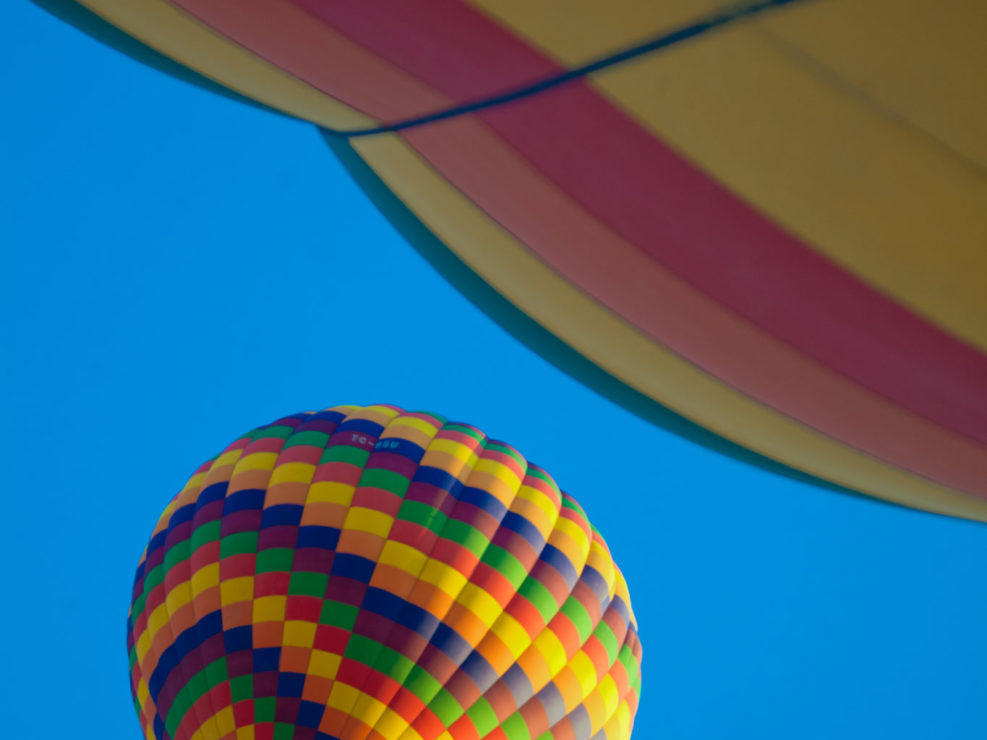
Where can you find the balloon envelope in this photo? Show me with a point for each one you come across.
(363, 572)
(760, 226)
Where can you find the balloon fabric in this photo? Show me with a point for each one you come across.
(756, 224)
(365, 572)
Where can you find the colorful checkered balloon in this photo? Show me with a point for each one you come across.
(368, 573)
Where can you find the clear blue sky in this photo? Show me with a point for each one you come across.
(177, 268)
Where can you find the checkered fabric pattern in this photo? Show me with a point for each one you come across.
(365, 572)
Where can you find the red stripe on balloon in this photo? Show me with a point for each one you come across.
(686, 320)
(450, 45)
(708, 236)
(680, 218)
(676, 213)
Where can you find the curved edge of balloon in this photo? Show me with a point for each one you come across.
(93, 25)
(456, 272)
(544, 343)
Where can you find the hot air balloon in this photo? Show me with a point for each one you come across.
(365, 572)
(760, 225)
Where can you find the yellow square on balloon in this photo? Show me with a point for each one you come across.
(234, 590)
(324, 664)
(269, 609)
(298, 633)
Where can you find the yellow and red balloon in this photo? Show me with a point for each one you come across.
(760, 225)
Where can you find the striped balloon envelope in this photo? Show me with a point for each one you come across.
(760, 225)
(363, 572)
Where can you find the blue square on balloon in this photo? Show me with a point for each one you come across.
(238, 638)
(290, 684)
(156, 541)
(249, 499)
(266, 659)
(353, 566)
(313, 536)
(215, 492)
(309, 714)
(281, 515)
(181, 515)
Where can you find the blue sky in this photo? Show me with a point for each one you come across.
(178, 268)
